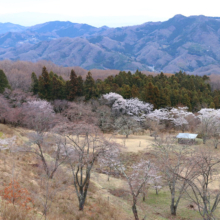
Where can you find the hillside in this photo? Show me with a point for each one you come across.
(181, 43)
(108, 200)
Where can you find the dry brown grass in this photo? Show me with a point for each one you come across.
(106, 199)
(63, 202)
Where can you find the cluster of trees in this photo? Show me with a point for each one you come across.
(161, 91)
(189, 174)
(79, 144)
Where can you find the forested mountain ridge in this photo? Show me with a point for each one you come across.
(181, 43)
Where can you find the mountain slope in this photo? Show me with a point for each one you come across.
(182, 43)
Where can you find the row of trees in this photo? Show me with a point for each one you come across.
(161, 91)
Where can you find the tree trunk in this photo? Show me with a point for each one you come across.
(173, 208)
(126, 135)
(81, 204)
(134, 209)
(144, 197)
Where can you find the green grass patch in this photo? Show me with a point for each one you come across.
(160, 205)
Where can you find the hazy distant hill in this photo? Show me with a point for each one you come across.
(190, 43)
(9, 27)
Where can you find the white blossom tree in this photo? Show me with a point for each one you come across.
(132, 107)
(180, 117)
(210, 122)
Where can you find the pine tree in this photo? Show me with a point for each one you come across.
(216, 101)
(80, 86)
(212, 105)
(186, 101)
(150, 94)
(72, 86)
(156, 97)
(44, 85)
(126, 91)
(3, 82)
(90, 87)
(134, 91)
(34, 83)
(58, 88)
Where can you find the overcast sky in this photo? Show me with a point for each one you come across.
(101, 12)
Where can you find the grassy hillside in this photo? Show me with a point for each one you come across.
(105, 200)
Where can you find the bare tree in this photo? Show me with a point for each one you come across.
(86, 145)
(201, 190)
(174, 161)
(44, 145)
(138, 176)
(143, 173)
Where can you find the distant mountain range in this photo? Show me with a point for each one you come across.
(191, 44)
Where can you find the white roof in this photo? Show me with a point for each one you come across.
(186, 136)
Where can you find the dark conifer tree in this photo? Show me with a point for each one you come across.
(34, 83)
(3, 82)
(126, 91)
(90, 87)
(150, 94)
(44, 85)
(134, 91)
(216, 101)
(80, 86)
(58, 90)
(72, 86)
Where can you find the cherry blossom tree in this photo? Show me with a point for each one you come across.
(132, 107)
(39, 115)
(111, 97)
(180, 117)
(210, 121)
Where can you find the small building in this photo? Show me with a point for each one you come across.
(186, 138)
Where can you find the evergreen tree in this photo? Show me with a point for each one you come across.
(90, 87)
(80, 86)
(134, 91)
(34, 83)
(212, 105)
(156, 97)
(72, 86)
(3, 82)
(150, 94)
(164, 99)
(44, 85)
(216, 101)
(126, 91)
(58, 89)
(186, 101)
